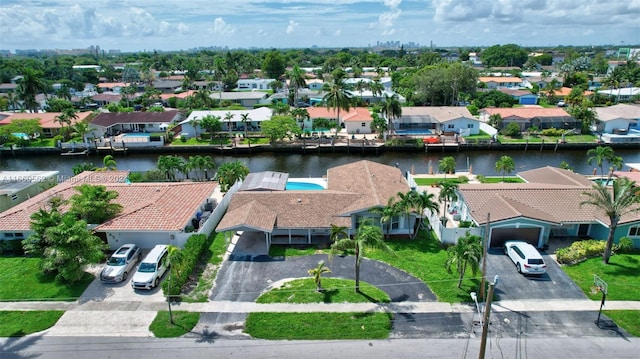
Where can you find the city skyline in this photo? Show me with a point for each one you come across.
(172, 25)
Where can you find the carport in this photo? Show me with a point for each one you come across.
(528, 234)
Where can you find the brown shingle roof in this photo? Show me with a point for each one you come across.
(108, 119)
(554, 175)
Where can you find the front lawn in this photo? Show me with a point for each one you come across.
(207, 269)
(629, 320)
(499, 179)
(335, 291)
(318, 326)
(23, 280)
(621, 275)
(438, 180)
(21, 323)
(548, 139)
(424, 258)
(280, 250)
(161, 326)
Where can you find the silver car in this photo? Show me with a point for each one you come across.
(121, 263)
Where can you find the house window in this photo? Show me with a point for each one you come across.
(363, 124)
(395, 222)
(469, 125)
(451, 126)
(634, 231)
(8, 235)
(14, 197)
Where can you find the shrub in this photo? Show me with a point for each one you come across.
(625, 245)
(580, 251)
(552, 132)
(512, 130)
(193, 249)
(466, 224)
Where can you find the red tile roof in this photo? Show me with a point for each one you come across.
(357, 114)
(527, 112)
(108, 119)
(47, 119)
(146, 206)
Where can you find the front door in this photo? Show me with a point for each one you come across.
(583, 229)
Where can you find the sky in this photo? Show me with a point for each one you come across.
(171, 25)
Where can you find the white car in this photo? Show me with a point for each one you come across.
(121, 263)
(525, 256)
(151, 269)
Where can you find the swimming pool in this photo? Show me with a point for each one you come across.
(413, 132)
(303, 186)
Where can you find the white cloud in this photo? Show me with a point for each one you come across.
(338, 32)
(291, 27)
(222, 28)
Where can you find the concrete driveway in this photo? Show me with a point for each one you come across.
(554, 284)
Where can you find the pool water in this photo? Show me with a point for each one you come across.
(414, 132)
(303, 186)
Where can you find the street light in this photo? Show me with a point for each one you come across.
(474, 297)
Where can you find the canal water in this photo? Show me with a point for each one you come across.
(316, 165)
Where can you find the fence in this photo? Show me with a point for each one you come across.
(215, 217)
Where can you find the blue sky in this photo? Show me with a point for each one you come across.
(145, 25)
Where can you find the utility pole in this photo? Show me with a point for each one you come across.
(485, 322)
(484, 257)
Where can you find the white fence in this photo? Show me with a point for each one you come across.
(209, 226)
(488, 129)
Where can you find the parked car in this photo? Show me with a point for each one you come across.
(151, 269)
(561, 104)
(121, 263)
(526, 257)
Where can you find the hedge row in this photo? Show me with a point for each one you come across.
(583, 250)
(181, 269)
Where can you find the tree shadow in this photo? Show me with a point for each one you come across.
(11, 347)
(328, 294)
(206, 336)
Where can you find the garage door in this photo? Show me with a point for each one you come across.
(501, 235)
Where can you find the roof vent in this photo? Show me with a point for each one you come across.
(299, 200)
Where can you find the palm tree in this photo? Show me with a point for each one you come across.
(66, 117)
(466, 253)
(169, 165)
(337, 98)
(505, 165)
(391, 109)
(245, 119)
(447, 165)
(228, 117)
(417, 202)
(296, 80)
(601, 154)
(367, 236)
(376, 88)
(317, 273)
(338, 232)
(81, 167)
(231, 172)
(109, 163)
(31, 84)
(81, 129)
(94, 203)
(387, 213)
(196, 122)
(448, 192)
(622, 199)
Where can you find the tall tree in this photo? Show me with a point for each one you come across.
(505, 165)
(466, 253)
(109, 163)
(94, 204)
(273, 64)
(448, 193)
(391, 109)
(41, 220)
(600, 155)
(447, 165)
(212, 125)
(367, 236)
(337, 98)
(174, 262)
(387, 213)
(338, 232)
(623, 198)
(231, 172)
(296, 81)
(170, 165)
(31, 84)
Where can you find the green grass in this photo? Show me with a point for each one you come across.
(318, 326)
(548, 139)
(161, 327)
(23, 280)
(621, 275)
(200, 141)
(255, 141)
(208, 268)
(335, 291)
(424, 258)
(500, 180)
(430, 181)
(629, 320)
(278, 250)
(21, 323)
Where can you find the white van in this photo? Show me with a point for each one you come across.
(151, 269)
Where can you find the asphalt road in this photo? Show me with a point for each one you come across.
(204, 347)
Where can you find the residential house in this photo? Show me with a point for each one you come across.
(443, 119)
(254, 84)
(115, 87)
(234, 123)
(48, 121)
(18, 186)
(625, 94)
(620, 117)
(167, 86)
(112, 124)
(247, 99)
(369, 97)
(546, 208)
(315, 84)
(527, 117)
(496, 82)
(274, 215)
(524, 97)
(149, 213)
(356, 120)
